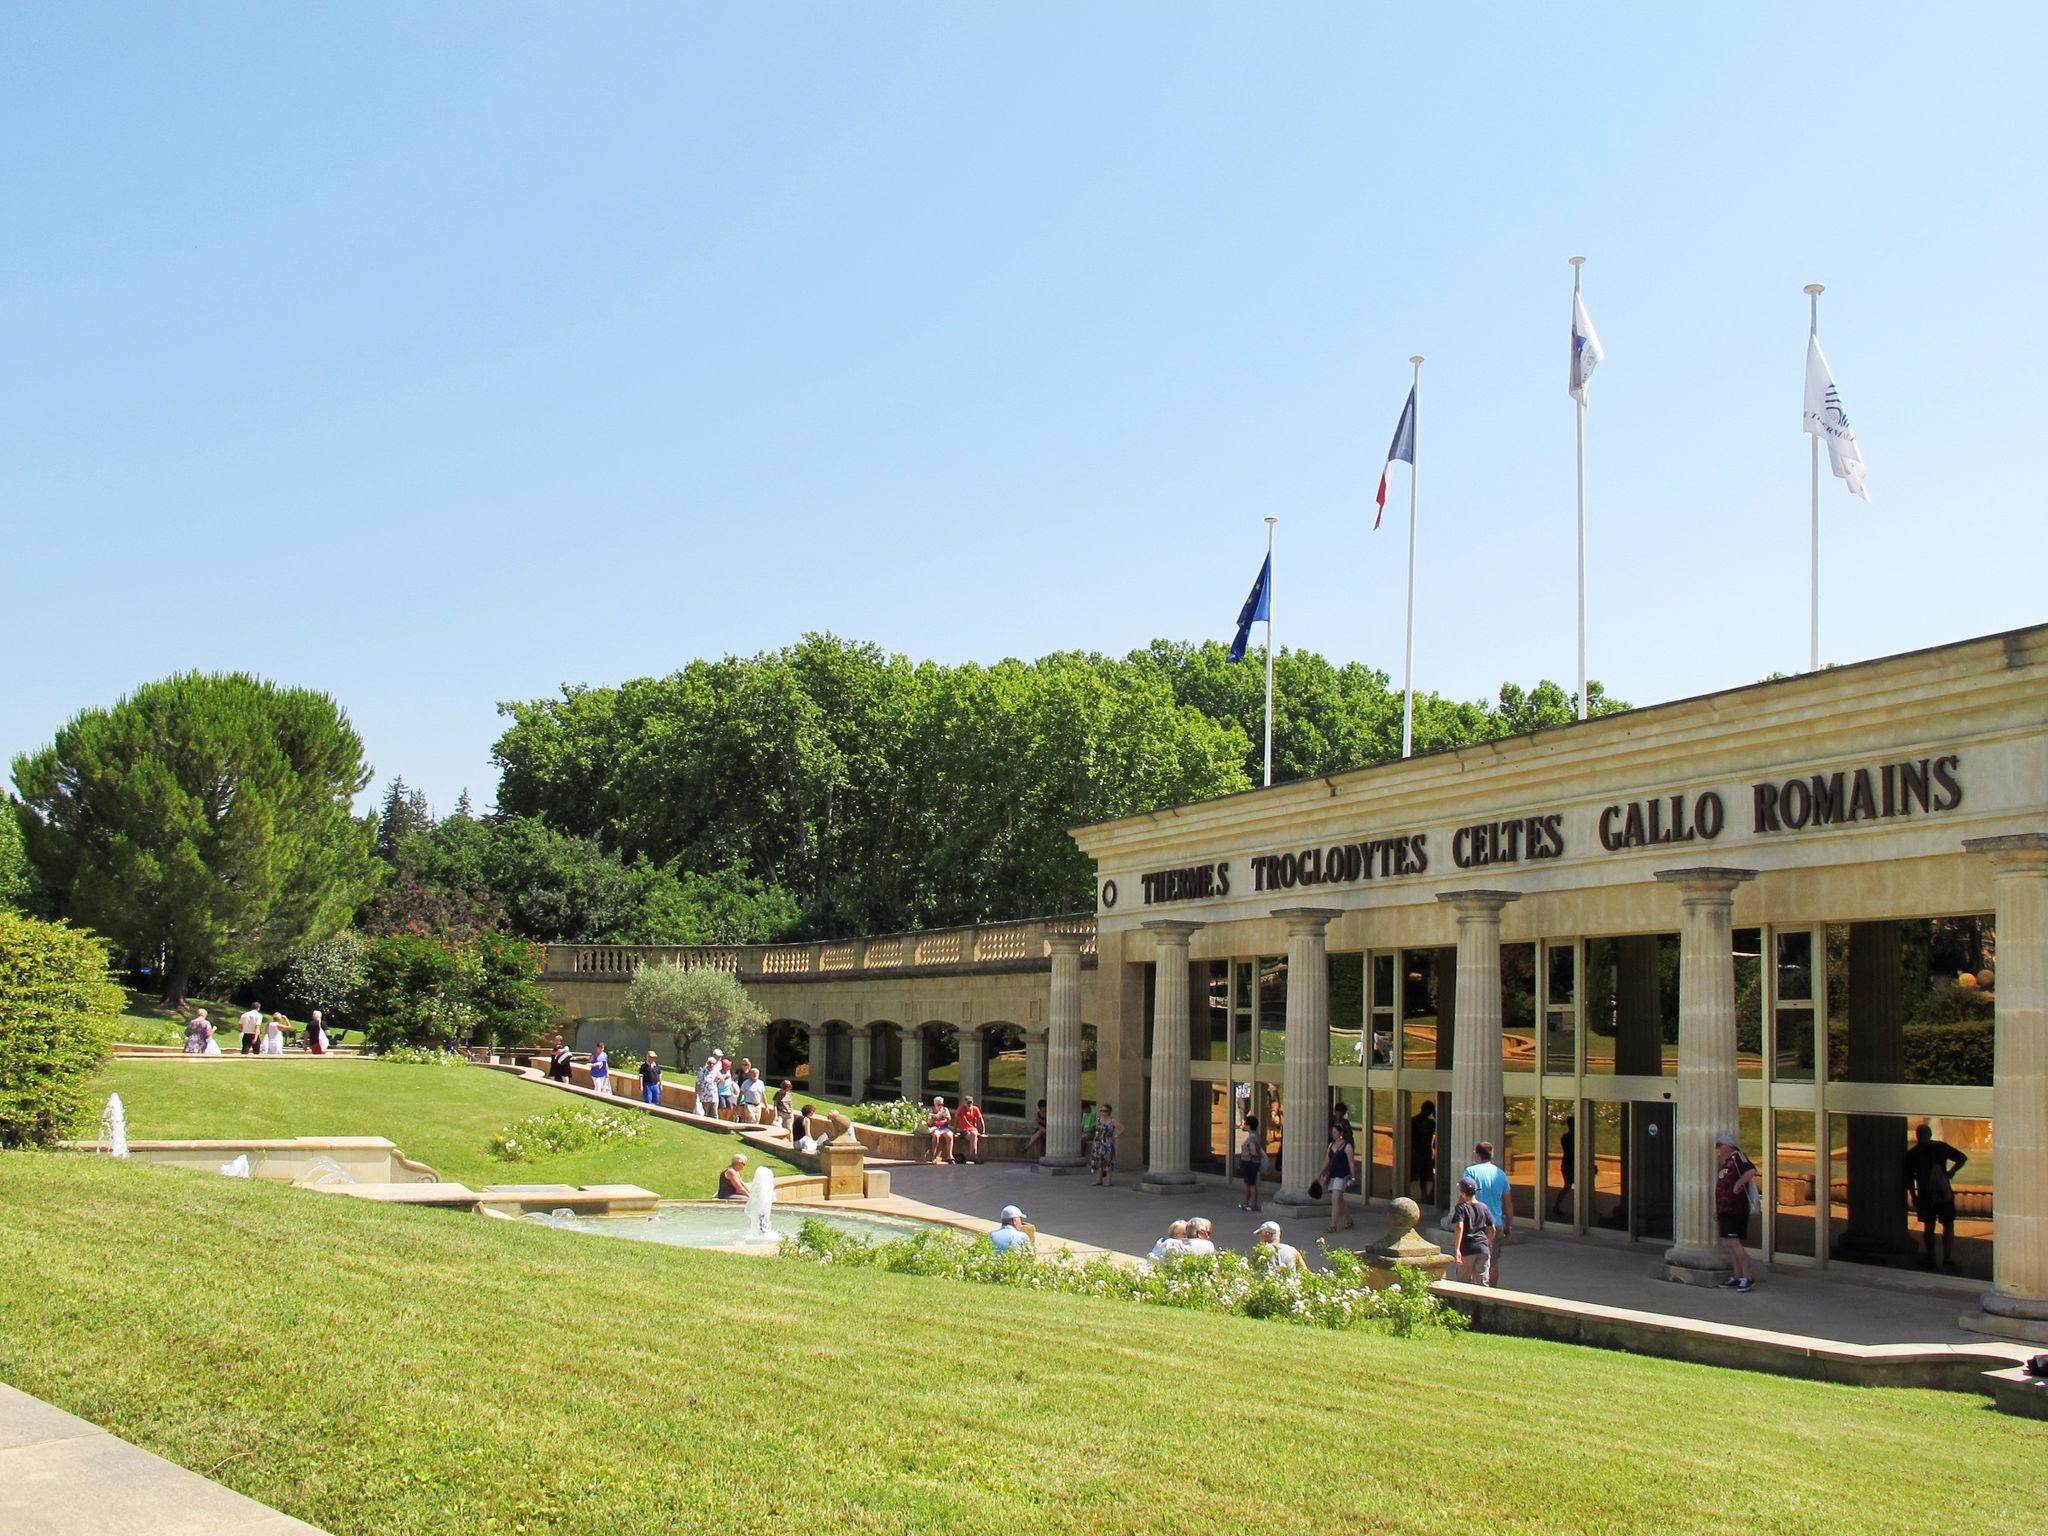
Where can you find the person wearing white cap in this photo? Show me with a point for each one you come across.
(1269, 1251)
(1735, 1187)
(1011, 1234)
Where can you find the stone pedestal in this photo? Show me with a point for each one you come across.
(1166, 1165)
(1305, 1081)
(2017, 1306)
(1707, 1067)
(1478, 1107)
(845, 1163)
(1063, 1057)
(1403, 1245)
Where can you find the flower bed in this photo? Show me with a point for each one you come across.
(1336, 1297)
(563, 1130)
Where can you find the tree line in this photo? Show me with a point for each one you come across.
(207, 821)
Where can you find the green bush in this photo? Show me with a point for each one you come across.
(421, 1056)
(563, 1130)
(895, 1115)
(430, 989)
(1335, 1297)
(58, 1011)
(133, 1031)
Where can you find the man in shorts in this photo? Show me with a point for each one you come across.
(1490, 1181)
(1931, 1167)
(1733, 1182)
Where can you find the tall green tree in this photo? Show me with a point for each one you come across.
(208, 815)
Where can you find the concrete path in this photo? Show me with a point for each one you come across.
(1819, 1304)
(60, 1476)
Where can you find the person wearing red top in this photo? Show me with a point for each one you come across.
(969, 1124)
(1733, 1182)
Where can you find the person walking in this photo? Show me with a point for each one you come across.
(1102, 1143)
(273, 1035)
(1931, 1167)
(316, 1035)
(707, 1087)
(601, 1069)
(1491, 1180)
(650, 1080)
(1251, 1163)
(752, 1097)
(199, 1034)
(1422, 1149)
(728, 1091)
(252, 1026)
(1735, 1192)
(1567, 1166)
(1471, 1230)
(784, 1097)
(558, 1062)
(1336, 1175)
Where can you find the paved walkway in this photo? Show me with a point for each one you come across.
(1789, 1300)
(60, 1476)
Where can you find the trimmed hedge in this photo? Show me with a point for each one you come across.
(59, 1009)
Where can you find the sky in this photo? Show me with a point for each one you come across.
(436, 356)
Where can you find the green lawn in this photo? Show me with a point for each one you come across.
(441, 1116)
(146, 1021)
(386, 1372)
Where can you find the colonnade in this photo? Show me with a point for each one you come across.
(1707, 1074)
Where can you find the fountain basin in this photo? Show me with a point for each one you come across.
(725, 1224)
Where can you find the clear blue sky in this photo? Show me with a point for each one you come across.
(438, 355)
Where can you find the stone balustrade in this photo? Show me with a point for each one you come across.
(980, 947)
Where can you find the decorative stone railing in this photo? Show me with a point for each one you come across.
(1021, 945)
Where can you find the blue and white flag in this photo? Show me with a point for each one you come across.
(1256, 607)
(1826, 420)
(1587, 353)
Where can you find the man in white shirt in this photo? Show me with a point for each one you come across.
(252, 1026)
(1201, 1237)
(1175, 1242)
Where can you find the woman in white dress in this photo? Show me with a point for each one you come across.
(273, 1035)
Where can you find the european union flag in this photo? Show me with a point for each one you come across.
(1256, 607)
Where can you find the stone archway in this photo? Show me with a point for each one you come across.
(786, 1051)
(1005, 1070)
(835, 1073)
(885, 1060)
(939, 1051)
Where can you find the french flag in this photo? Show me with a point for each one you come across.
(1402, 451)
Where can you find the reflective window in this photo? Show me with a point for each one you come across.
(1429, 985)
(1912, 1191)
(1347, 1010)
(1272, 1006)
(1521, 1157)
(1518, 1007)
(1385, 1002)
(1631, 1008)
(1749, 1002)
(1211, 1041)
(1792, 1021)
(1911, 1002)
(1795, 1208)
(1560, 1006)
(1560, 1163)
(1383, 1132)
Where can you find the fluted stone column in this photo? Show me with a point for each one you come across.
(1305, 1082)
(973, 1062)
(2017, 1305)
(1707, 1064)
(1034, 1070)
(1478, 1111)
(913, 1063)
(1166, 1165)
(863, 1062)
(814, 1054)
(1063, 1057)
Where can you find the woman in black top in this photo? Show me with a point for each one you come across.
(1338, 1175)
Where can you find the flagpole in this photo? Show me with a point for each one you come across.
(1408, 681)
(1577, 263)
(1813, 293)
(1269, 649)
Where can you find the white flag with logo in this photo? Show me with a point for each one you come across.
(1587, 352)
(1825, 419)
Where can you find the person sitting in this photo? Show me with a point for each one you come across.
(732, 1178)
(1011, 1236)
(1174, 1244)
(1270, 1252)
(1201, 1238)
(806, 1134)
(940, 1124)
(970, 1125)
(1034, 1145)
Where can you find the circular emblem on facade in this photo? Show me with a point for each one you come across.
(1109, 893)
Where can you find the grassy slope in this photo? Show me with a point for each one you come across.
(442, 1116)
(390, 1371)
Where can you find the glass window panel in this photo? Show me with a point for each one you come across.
(1792, 1060)
(1560, 980)
(1560, 1019)
(1384, 994)
(1630, 1013)
(1421, 1129)
(1211, 1040)
(1347, 1010)
(1209, 1123)
(1794, 1211)
(1749, 1002)
(1521, 1157)
(1795, 966)
(1272, 1004)
(1518, 1007)
(1428, 1001)
(1899, 1201)
(1383, 1131)
(1244, 1035)
(1912, 1002)
(1607, 1175)
(1560, 1162)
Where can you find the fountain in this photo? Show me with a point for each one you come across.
(761, 1207)
(114, 1127)
(238, 1168)
(325, 1173)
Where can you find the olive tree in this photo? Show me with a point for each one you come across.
(208, 816)
(700, 1009)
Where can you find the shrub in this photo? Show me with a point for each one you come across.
(1335, 1297)
(328, 977)
(699, 1009)
(563, 1130)
(421, 1056)
(896, 1115)
(58, 1011)
(133, 1031)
